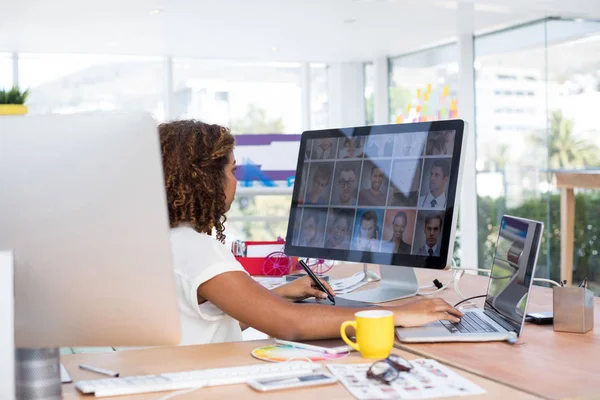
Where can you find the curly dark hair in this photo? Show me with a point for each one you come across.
(194, 156)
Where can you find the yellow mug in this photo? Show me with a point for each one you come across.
(374, 333)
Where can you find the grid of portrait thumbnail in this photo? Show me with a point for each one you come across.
(379, 193)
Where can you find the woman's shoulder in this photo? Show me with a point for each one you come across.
(188, 243)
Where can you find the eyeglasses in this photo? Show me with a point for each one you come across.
(386, 371)
(349, 183)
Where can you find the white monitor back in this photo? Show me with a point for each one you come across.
(7, 342)
(83, 208)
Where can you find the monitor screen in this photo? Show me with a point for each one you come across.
(513, 268)
(377, 194)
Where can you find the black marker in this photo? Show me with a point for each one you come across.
(316, 280)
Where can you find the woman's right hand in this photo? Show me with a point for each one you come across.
(424, 311)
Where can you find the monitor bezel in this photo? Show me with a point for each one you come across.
(410, 260)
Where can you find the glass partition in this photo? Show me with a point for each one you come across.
(424, 84)
(247, 97)
(537, 90)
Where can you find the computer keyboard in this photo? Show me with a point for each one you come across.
(192, 379)
(470, 323)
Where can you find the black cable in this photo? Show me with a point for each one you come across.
(470, 298)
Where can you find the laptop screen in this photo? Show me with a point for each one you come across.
(513, 268)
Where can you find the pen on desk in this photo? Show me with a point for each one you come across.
(583, 283)
(316, 280)
(99, 370)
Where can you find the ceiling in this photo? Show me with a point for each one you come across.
(278, 30)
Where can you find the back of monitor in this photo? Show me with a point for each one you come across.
(83, 208)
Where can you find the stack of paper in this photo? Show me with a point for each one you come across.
(339, 286)
(347, 285)
(428, 379)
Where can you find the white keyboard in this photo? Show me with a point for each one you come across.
(193, 379)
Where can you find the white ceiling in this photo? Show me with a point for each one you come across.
(291, 30)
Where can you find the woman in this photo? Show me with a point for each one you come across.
(338, 237)
(214, 292)
(311, 227)
(367, 235)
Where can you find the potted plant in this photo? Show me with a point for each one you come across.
(12, 102)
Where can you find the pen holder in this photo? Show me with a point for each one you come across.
(573, 309)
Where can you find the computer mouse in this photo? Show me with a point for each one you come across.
(511, 337)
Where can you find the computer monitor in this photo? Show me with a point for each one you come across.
(83, 209)
(382, 195)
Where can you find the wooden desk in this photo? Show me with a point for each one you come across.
(547, 363)
(567, 181)
(156, 360)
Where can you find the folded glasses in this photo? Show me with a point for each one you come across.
(386, 371)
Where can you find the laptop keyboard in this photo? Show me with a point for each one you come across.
(469, 323)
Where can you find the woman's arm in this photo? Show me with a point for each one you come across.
(239, 296)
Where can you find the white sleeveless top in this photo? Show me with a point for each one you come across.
(197, 258)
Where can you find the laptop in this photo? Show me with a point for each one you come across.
(510, 281)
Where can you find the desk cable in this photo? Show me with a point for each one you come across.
(459, 273)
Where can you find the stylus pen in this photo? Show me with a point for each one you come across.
(316, 280)
(99, 370)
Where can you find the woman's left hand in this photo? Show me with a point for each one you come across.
(303, 288)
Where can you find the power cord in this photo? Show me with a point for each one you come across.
(468, 299)
(459, 273)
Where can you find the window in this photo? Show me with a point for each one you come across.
(260, 97)
(68, 84)
(6, 71)
(252, 98)
(319, 97)
(552, 125)
(423, 85)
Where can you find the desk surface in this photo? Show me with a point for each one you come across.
(546, 363)
(156, 360)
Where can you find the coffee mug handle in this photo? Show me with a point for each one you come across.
(345, 338)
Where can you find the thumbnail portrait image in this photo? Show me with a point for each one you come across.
(302, 182)
(428, 233)
(340, 223)
(379, 146)
(440, 143)
(367, 229)
(297, 220)
(351, 147)
(318, 186)
(308, 149)
(374, 183)
(398, 229)
(345, 183)
(324, 149)
(312, 228)
(434, 186)
(410, 144)
(404, 183)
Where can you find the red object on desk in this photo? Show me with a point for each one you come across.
(264, 265)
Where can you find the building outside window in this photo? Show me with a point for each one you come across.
(537, 90)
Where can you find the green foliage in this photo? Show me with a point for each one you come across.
(256, 121)
(565, 149)
(13, 96)
(586, 262)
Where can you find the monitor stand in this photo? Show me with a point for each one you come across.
(370, 276)
(396, 283)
